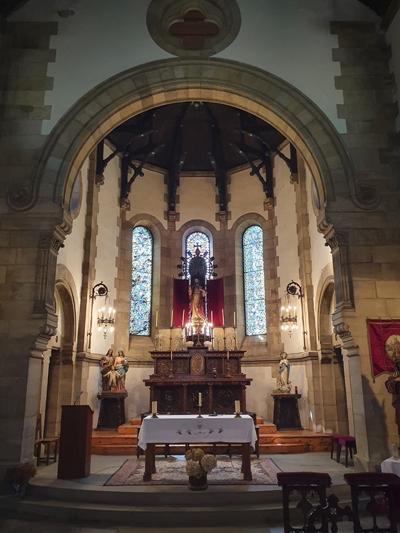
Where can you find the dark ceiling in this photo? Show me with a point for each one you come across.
(195, 138)
(195, 133)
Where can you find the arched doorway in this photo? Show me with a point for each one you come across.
(333, 389)
(58, 378)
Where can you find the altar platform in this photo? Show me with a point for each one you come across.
(123, 440)
(90, 501)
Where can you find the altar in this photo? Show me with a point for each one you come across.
(187, 429)
(179, 377)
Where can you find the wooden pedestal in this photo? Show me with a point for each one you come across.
(286, 411)
(112, 409)
(75, 441)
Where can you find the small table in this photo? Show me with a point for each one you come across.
(186, 429)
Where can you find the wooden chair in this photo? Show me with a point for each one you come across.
(314, 511)
(343, 441)
(48, 444)
(375, 494)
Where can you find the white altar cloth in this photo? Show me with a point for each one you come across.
(181, 429)
(391, 466)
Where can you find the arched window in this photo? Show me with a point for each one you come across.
(194, 240)
(253, 281)
(142, 278)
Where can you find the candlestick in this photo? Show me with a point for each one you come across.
(183, 317)
(237, 408)
(227, 355)
(154, 409)
(223, 319)
(172, 318)
(200, 400)
(157, 318)
(234, 319)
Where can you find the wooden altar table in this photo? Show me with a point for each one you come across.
(187, 429)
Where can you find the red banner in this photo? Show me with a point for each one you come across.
(384, 340)
(215, 302)
(180, 313)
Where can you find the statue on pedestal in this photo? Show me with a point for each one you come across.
(282, 381)
(113, 370)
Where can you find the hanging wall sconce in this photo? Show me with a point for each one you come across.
(289, 310)
(105, 315)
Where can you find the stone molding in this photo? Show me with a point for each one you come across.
(225, 14)
(171, 80)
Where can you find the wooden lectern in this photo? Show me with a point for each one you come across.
(75, 441)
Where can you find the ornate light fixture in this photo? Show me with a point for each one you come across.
(105, 315)
(289, 310)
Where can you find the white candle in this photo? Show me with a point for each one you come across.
(237, 406)
(200, 399)
(227, 355)
(183, 318)
(157, 318)
(172, 317)
(154, 407)
(234, 319)
(223, 319)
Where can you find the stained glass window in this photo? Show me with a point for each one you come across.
(254, 288)
(142, 274)
(201, 240)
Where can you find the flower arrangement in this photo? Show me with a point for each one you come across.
(198, 464)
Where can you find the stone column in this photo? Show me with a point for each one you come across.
(27, 321)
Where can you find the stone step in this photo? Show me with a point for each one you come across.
(266, 428)
(155, 515)
(113, 449)
(284, 448)
(128, 429)
(108, 440)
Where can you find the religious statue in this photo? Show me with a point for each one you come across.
(197, 298)
(282, 381)
(121, 367)
(113, 371)
(106, 366)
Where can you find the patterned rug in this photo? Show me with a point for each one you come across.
(172, 471)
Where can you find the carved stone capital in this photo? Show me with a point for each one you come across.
(125, 204)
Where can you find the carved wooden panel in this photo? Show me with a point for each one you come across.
(224, 398)
(181, 366)
(168, 400)
(193, 398)
(197, 366)
(163, 367)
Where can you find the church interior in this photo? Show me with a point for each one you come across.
(199, 263)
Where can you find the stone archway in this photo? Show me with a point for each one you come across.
(173, 80)
(60, 371)
(140, 89)
(333, 389)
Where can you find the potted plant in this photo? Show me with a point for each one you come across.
(19, 475)
(198, 464)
